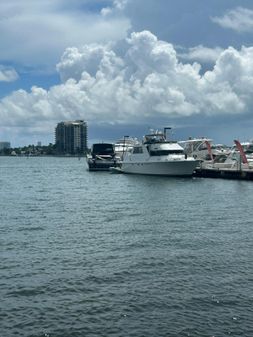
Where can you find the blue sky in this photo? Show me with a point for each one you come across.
(125, 66)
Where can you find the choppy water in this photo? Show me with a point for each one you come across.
(96, 254)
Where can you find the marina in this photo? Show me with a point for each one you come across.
(157, 155)
(126, 168)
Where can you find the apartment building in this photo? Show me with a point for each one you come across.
(71, 137)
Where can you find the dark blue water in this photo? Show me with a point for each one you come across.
(98, 254)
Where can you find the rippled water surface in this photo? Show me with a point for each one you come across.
(98, 254)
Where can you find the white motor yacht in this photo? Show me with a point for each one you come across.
(124, 145)
(158, 156)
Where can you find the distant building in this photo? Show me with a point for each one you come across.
(5, 145)
(39, 143)
(71, 137)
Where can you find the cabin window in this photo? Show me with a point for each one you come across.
(165, 152)
(137, 149)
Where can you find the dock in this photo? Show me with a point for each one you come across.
(224, 173)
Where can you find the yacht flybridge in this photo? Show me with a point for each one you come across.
(158, 156)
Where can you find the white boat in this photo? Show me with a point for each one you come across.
(200, 148)
(124, 145)
(158, 156)
(239, 158)
(102, 157)
(247, 148)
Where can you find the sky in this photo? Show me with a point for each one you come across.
(126, 66)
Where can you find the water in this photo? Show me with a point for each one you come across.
(98, 254)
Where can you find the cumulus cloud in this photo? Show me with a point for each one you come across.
(89, 58)
(116, 7)
(8, 74)
(239, 19)
(42, 30)
(202, 54)
(147, 82)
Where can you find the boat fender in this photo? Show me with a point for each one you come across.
(185, 156)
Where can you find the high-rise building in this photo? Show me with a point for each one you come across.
(5, 145)
(71, 137)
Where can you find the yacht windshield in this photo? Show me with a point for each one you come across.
(154, 138)
(137, 149)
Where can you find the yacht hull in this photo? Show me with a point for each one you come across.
(167, 168)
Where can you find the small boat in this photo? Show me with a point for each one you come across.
(158, 156)
(102, 157)
(199, 148)
(247, 148)
(234, 166)
(237, 160)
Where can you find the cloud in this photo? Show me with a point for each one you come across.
(201, 54)
(116, 7)
(239, 19)
(147, 83)
(35, 33)
(89, 58)
(8, 74)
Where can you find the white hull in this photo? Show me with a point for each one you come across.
(157, 156)
(166, 168)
